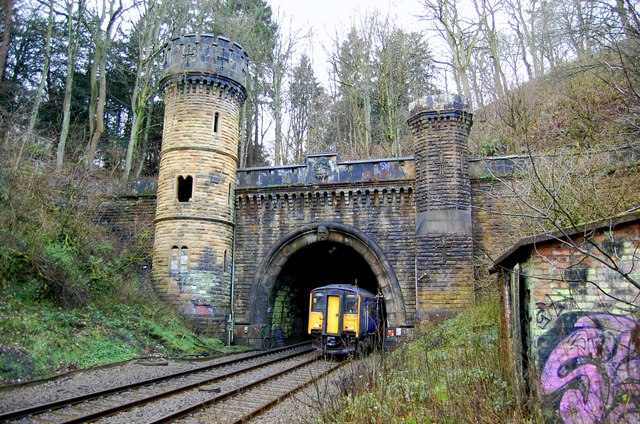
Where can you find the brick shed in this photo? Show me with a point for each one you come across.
(570, 330)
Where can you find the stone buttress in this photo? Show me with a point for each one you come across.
(204, 92)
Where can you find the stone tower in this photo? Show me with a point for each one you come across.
(204, 90)
(444, 245)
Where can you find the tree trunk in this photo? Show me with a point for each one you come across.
(43, 77)
(242, 148)
(102, 42)
(367, 121)
(99, 114)
(6, 35)
(144, 145)
(136, 130)
(33, 119)
(72, 48)
(277, 114)
(148, 47)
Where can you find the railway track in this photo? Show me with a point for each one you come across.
(206, 390)
(249, 400)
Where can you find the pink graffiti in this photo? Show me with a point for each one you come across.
(597, 370)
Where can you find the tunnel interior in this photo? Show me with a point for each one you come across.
(316, 265)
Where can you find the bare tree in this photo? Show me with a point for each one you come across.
(73, 39)
(523, 18)
(488, 12)
(37, 96)
(401, 62)
(556, 194)
(304, 94)
(351, 68)
(283, 52)
(460, 34)
(148, 39)
(43, 73)
(103, 30)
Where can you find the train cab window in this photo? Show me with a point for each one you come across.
(318, 302)
(351, 304)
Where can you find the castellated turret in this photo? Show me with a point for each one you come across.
(204, 90)
(444, 239)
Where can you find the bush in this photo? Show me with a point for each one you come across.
(450, 373)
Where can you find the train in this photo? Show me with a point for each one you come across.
(345, 319)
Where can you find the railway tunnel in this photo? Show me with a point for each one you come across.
(312, 256)
(319, 264)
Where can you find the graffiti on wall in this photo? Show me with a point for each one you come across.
(551, 308)
(591, 371)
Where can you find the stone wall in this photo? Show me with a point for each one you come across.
(128, 216)
(382, 210)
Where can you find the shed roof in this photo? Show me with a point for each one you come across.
(523, 247)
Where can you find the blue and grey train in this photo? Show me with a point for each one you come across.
(345, 319)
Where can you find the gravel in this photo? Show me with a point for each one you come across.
(82, 382)
(309, 405)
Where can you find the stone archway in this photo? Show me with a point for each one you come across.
(276, 258)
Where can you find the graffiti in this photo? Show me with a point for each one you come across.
(593, 372)
(559, 303)
(554, 307)
(542, 317)
(382, 170)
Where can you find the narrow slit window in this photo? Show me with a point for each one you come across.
(185, 188)
(226, 262)
(184, 259)
(216, 122)
(173, 261)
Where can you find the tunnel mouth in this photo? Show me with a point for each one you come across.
(319, 264)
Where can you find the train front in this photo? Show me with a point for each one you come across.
(334, 318)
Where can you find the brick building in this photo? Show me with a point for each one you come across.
(569, 329)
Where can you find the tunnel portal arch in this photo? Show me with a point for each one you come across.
(331, 234)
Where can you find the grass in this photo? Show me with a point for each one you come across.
(450, 373)
(41, 339)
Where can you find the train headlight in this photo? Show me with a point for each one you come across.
(317, 325)
(349, 327)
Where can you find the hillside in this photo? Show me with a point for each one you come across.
(73, 295)
(580, 127)
(582, 106)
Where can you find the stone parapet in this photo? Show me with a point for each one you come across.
(327, 169)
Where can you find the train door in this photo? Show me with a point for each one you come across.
(333, 315)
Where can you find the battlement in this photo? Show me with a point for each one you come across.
(326, 168)
(443, 106)
(205, 59)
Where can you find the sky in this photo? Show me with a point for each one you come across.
(325, 18)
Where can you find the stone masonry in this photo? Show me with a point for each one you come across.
(229, 241)
(444, 247)
(204, 92)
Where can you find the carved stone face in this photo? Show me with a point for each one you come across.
(323, 233)
(321, 169)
